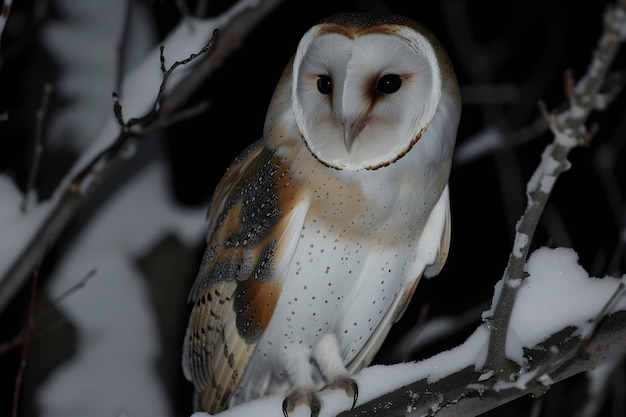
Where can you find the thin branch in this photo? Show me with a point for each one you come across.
(40, 118)
(600, 316)
(71, 290)
(569, 131)
(117, 145)
(26, 337)
(21, 337)
(168, 72)
(239, 20)
(247, 14)
(185, 114)
(121, 46)
(18, 340)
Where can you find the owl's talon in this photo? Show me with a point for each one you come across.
(302, 396)
(355, 393)
(346, 384)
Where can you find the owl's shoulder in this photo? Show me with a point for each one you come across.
(254, 218)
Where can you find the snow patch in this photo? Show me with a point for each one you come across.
(557, 293)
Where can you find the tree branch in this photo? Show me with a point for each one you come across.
(569, 131)
(247, 14)
(26, 338)
(462, 393)
(51, 218)
(40, 118)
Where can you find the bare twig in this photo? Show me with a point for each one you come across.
(20, 338)
(589, 330)
(569, 131)
(185, 114)
(121, 46)
(80, 284)
(26, 337)
(243, 15)
(247, 14)
(126, 126)
(168, 72)
(40, 118)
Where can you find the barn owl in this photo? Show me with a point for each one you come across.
(319, 232)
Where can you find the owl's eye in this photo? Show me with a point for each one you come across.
(324, 84)
(388, 84)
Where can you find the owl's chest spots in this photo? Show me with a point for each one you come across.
(336, 284)
(352, 256)
(349, 246)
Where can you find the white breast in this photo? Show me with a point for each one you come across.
(342, 279)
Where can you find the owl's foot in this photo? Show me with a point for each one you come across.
(347, 384)
(306, 396)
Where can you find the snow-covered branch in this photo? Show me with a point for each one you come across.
(24, 234)
(48, 220)
(553, 341)
(568, 127)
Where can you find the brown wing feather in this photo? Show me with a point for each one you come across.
(237, 287)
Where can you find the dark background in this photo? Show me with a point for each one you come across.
(524, 43)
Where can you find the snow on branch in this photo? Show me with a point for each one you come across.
(24, 234)
(35, 228)
(569, 129)
(126, 126)
(555, 340)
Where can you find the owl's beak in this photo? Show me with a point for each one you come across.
(352, 129)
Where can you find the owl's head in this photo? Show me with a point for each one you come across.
(365, 88)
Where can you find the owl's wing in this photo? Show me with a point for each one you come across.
(432, 252)
(435, 240)
(255, 221)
